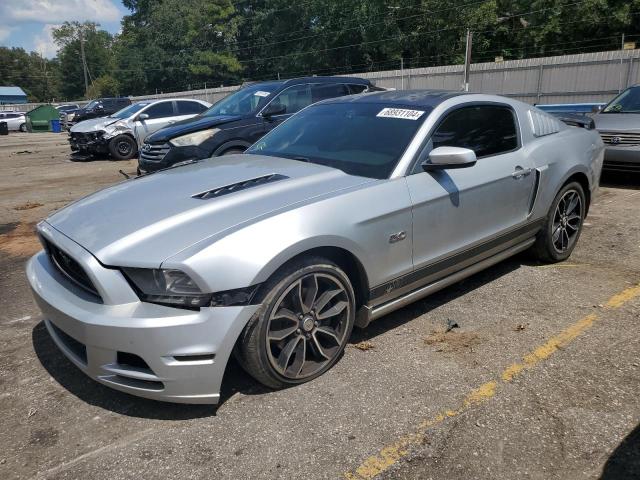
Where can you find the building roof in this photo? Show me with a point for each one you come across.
(12, 91)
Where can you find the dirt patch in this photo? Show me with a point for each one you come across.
(364, 345)
(28, 206)
(21, 241)
(452, 341)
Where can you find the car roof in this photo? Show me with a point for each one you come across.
(294, 81)
(408, 98)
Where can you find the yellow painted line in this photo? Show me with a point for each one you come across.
(400, 448)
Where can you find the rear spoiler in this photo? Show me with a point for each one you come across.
(580, 121)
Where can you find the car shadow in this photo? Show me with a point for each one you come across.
(437, 299)
(236, 380)
(624, 462)
(620, 180)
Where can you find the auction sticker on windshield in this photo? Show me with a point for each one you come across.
(260, 93)
(400, 113)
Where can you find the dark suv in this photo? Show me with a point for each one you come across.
(101, 107)
(239, 120)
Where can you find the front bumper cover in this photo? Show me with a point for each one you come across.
(186, 351)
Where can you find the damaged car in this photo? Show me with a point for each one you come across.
(349, 210)
(120, 134)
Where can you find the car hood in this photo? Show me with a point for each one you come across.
(617, 122)
(93, 124)
(142, 222)
(190, 125)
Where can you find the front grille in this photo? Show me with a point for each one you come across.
(620, 138)
(154, 153)
(77, 348)
(70, 268)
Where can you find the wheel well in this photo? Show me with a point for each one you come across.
(347, 262)
(583, 180)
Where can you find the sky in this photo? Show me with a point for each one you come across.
(28, 23)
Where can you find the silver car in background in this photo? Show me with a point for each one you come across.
(121, 133)
(349, 210)
(14, 120)
(619, 126)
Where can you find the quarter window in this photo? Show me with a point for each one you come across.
(357, 88)
(485, 129)
(160, 110)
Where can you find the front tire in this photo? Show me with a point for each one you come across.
(563, 225)
(303, 326)
(232, 151)
(23, 127)
(123, 147)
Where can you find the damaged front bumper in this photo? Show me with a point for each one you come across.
(89, 142)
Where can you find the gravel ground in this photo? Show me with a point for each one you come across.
(541, 380)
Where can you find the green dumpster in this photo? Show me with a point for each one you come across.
(39, 119)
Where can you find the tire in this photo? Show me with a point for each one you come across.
(23, 127)
(232, 151)
(123, 147)
(562, 226)
(294, 348)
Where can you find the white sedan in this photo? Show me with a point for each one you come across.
(15, 120)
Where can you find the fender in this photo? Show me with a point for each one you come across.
(230, 144)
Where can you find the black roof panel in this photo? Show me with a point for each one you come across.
(409, 98)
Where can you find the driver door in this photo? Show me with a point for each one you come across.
(292, 99)
(160, 115)
(466, 214)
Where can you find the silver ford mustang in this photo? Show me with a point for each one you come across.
(351, 209)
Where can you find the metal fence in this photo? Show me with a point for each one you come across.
(585, 77)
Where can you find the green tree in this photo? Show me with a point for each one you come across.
(104, 86)
(36, 75)
(97, 48)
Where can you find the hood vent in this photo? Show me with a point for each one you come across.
(237, 187)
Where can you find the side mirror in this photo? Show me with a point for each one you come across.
(143, 116)
(99, 108)
(274, 109)
(443, 158)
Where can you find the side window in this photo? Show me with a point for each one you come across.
(485, 129)
(160, 110)
(328, 90)
(294, 98)
(355, 89)
(190, 108)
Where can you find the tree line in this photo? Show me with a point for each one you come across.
(170, 45)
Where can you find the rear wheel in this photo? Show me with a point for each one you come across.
(563, 225)
(303, 327)
(123, 147)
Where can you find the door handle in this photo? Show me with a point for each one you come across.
(521, 172)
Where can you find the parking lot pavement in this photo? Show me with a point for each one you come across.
(540, 380)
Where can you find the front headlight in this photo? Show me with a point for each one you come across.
(193, 139)
(167, 287)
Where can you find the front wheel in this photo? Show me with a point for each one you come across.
(23, 127)
(302, 329)
(563, 225)
(123, 147)
(232, 151)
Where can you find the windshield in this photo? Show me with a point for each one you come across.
(627, 102)
(358, 138)
(128, 111)
(91, 104)
(244, 101)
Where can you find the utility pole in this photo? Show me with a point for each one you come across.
(467, 59)
(84, 60)
(401, 73)
(621, 64)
